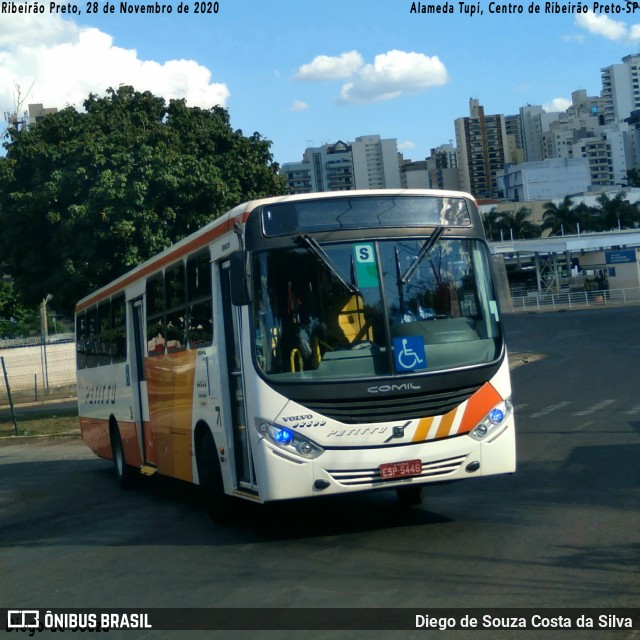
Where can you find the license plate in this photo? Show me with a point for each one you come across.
(400, 469)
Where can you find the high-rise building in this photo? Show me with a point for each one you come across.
(367, 163)
(482, 150)
(414, 174)
(535, 122)
(515, 143)
(443, 168)
(375, 163)
(621, 89)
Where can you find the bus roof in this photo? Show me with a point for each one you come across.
(226, 222)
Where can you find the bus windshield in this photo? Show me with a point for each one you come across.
(357, 310)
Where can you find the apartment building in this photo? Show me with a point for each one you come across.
(621, 89)
(482, 146)
(414, 174)
(369, 162)
(442, 164)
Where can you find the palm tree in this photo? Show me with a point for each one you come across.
(615, 212)
(585, 217)
(491, 223)
(518, 225)
(561, 218)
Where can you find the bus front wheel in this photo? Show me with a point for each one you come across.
(216, 502)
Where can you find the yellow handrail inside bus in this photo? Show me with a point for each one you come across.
(296, 353)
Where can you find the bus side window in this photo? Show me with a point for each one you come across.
(103, 341)
(92, 337)
(200, 323)
(176, 308)
(81, 340)
(119, 331)
(156, 334)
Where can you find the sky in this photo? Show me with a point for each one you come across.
(307, 73)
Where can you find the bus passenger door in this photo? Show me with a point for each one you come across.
(139, 382)
(232, 332)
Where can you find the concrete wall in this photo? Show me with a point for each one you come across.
(26, 366)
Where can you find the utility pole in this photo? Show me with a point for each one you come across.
(44, 332)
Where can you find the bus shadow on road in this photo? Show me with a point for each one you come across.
(338, 515)
(78, 502)
(320, 516)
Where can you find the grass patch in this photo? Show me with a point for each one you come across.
(46, 421)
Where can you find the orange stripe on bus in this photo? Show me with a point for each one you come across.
(478, 406)
(423, 429)
(170, 380)
(445, 423)
(475, 409)
(95, 432)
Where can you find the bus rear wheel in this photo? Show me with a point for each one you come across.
(125, 473)
(216, 502)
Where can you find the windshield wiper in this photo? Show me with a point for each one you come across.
(426, 247)
(321, 254)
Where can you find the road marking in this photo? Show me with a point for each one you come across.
(633, 411)
(596, 407)
(550, 409)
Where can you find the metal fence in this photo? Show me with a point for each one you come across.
(33, 371)
(533, 301)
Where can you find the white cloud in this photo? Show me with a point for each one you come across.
(16, 29)
(331, 67)
(406, 146)
(392, 74)
(556, 105)
(299, 105)
(63, 63)
(604, 26)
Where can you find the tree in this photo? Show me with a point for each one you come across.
(85, 196)
(491, 224)
(561, 218)
(518, 224)
(633, 177)
(16, 320)
(615, 212)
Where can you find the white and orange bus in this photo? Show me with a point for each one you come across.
(305, 345)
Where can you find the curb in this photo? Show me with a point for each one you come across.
(41, 403)
(37, 437)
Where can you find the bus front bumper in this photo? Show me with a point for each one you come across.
(335, 471)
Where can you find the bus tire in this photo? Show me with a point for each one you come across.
(409, 496)
(217, 503)
(125, 474)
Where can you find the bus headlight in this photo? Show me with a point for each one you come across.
(494, 421)
(289, 440)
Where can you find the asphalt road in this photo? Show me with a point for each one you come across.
(562, 532)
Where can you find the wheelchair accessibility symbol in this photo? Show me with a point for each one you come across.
(409, 354)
